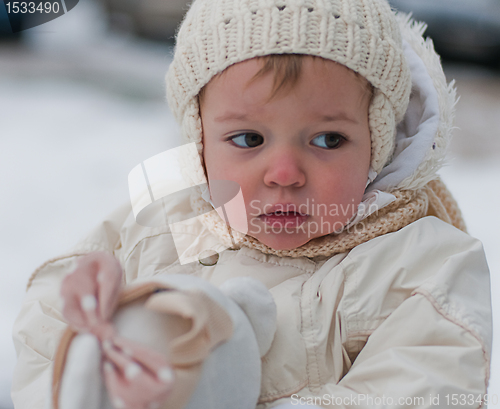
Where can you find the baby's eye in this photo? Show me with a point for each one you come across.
(328, 140)
(248, 140)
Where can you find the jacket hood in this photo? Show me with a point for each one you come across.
(424, 134)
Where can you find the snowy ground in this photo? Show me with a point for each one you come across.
(79, 109)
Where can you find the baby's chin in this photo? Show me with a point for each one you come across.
(283, 240)
(291, 234)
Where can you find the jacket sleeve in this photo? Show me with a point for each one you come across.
(39, 325)
(433, 348)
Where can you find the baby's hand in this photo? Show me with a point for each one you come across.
(91, 295)
(165, 342)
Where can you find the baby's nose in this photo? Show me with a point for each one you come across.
(285, 168)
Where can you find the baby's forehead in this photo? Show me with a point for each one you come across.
(287, 70)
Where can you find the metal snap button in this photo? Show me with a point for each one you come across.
(208, 258)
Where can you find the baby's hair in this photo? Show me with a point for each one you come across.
(287, 69)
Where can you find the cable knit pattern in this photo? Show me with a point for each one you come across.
(381, 119)
(443, 205)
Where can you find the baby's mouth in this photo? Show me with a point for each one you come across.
(284, 219)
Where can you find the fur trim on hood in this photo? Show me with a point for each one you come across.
(424, 134)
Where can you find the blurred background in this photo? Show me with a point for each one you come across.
(82, 101)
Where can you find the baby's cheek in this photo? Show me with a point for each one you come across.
(341, 205)
(234, 211)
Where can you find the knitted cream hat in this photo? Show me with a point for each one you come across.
(360, 34)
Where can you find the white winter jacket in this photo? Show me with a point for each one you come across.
(403, 320)
(404, 316)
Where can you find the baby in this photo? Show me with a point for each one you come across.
(333, 117)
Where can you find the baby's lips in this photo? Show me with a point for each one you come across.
(279, 213)
(290, 219)
(283, 209)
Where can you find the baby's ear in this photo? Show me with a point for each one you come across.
(258, 304)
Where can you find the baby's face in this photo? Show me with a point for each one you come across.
(302, 158)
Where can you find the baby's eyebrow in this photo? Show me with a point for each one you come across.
(339, 116)
(235, 116)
